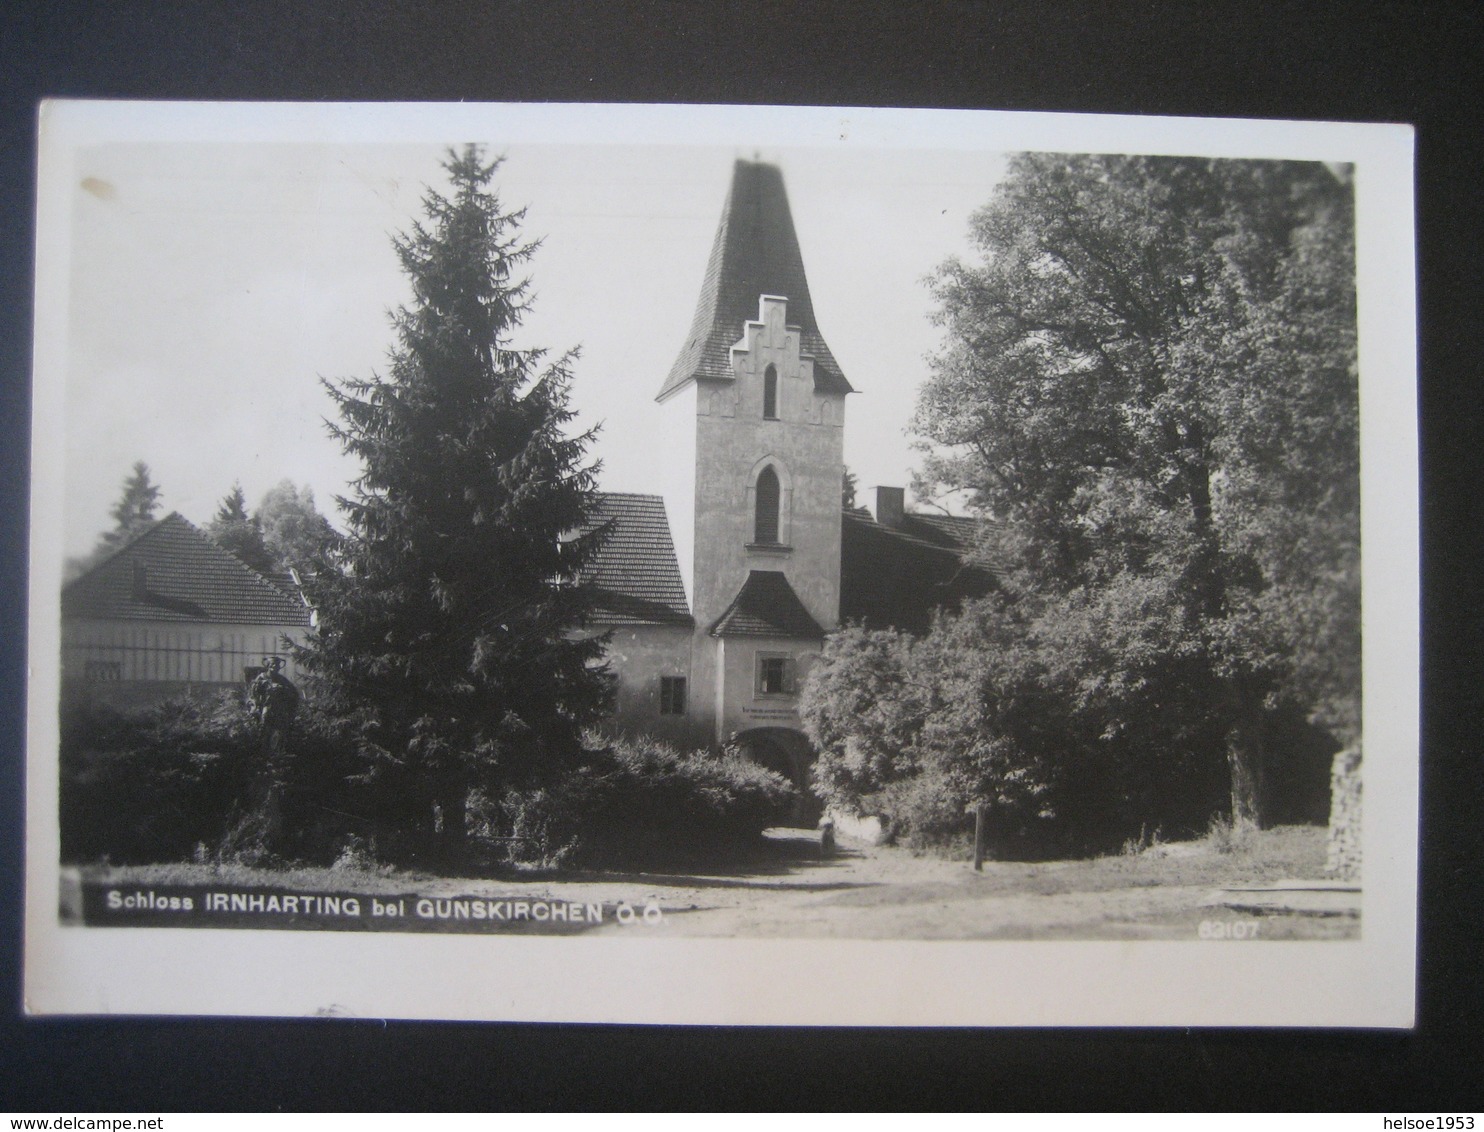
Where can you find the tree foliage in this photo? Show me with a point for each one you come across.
(135, 510)
(235, 530)
(294, 531)
(849, 485)
(446, 631)
(1150, 381)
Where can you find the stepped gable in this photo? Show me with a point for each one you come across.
(898, 575)
(766, 606)
(755, 253)
(636, 573)
(172, 571)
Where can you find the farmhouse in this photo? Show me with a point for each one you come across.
(778, 561)
(171, 611)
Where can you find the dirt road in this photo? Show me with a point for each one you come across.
(865, 892)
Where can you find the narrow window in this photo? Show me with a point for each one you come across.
(672, 695)
(765, 530)
(770, 394)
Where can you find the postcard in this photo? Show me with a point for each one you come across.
(722, 565)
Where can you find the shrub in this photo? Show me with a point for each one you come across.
(1013, 705)
(186, 778)
(917, 731)
(149, 785)
(1227, 837)
(638, 801)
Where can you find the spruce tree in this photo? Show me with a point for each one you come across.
(234, 530)
(447, 631)
(134, 511)
(233, 507)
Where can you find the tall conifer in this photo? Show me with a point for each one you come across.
(235, 530)
(447, 630)
(135, 509)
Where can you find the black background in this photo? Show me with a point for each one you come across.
(1344, 61)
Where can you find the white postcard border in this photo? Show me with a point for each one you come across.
(1365, 982)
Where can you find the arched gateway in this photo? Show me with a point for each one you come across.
(788, 753)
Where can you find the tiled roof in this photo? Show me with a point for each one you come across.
(766, 606)
(899, 575)
(174, 572)
(755, 253)
(636, 573)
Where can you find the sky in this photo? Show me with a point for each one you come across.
(212, 286)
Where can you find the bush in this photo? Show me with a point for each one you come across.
(186, 778)
(924, 812)
(917, 731)
(1070, 755)
(152, 784)
(638, 802)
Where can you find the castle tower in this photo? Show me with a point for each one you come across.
(769, 402)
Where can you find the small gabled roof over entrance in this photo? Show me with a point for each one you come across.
(755, 253)
(635, 574)
(172, 571)
(766, 606)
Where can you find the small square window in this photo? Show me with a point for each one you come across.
(774, 675)
(672, 695)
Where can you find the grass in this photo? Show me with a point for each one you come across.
(1219, 859)
(1151, 893)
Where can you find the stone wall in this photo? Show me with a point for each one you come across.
(1345, 816)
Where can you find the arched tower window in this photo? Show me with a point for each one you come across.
(765, 529)
(770, 395)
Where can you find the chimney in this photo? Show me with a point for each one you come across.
(140, 589)
(891, 505)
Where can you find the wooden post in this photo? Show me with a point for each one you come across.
(979, 814)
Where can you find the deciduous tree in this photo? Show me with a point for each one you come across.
(295, 532)
(1150, 380)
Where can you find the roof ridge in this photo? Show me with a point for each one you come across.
(205, 561)
(630, 494)
(132, 540)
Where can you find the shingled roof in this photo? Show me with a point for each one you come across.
(755, 253)
(636, 574)
(174, 572)
(899, 575)
(766, 606)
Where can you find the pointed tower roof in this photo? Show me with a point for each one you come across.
(755, 253)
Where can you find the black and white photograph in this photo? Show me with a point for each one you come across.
(726, 565)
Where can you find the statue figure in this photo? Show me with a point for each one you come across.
(275, 701)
